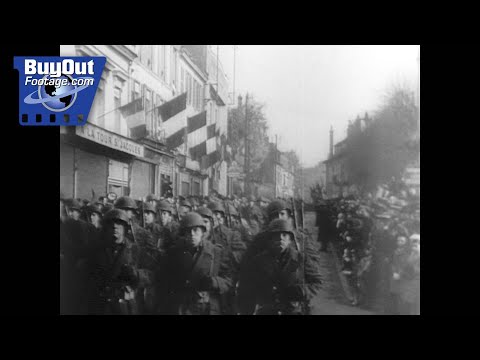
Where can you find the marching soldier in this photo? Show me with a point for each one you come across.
(149, 215)
(184, 208)
(143, 238)
(122, 269)
(280, 279)
(169, 228)
(199, 271)
(136, 232)
(95, 214)
(231, 240)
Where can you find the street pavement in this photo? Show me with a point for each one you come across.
(332, 298)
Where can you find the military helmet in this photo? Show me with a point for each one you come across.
(233, 211)
(106, 208)
(73, 204)
(164, 205)
(116, 214)
(203, 211)
(149, 207)
(264, 199)
(186, 203)
(277, 206)
(217, 206)
(195, 201)
(95, 208)
(192, 219)
(279, 225)
(126, 202)
(151, 197)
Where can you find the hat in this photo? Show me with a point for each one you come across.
(73, 204)
(149, 207)
(203, 211)
(151, 197)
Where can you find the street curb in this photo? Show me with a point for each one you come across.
(343, 280)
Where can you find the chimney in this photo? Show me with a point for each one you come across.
(331, 143)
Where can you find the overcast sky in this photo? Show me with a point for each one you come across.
(307, 89)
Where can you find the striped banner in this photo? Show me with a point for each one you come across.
(174, 120)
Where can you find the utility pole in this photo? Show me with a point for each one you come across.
(275, 164)
(247, 149)
(234, 66)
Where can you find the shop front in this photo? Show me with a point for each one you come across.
(95, 161)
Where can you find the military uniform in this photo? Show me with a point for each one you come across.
(272, 284)
(196, 278)
(121, 273)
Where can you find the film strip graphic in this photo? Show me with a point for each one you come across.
(52, 119)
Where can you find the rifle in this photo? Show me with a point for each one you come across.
(302, 251)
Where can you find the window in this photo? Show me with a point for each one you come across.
(182, 81)
(194, 93)
(117, 104)
(185, 188)
(117, 177)
(161, 61)
(148, 108)
(196, 188)
(173, 66)
(189, 89)
(200, 96)
(152, 179)
(156, 117)
(136, 91)
(166, 184)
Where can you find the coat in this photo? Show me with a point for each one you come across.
(258, 274)
(271, 283)
(195, 283)
(115, 267)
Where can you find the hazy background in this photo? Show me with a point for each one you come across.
(307, 89)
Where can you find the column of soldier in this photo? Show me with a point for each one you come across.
(378, 240)
(185, 256)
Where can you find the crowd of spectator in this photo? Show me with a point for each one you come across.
(377, 239)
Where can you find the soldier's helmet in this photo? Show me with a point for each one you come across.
(185, 203)
(149, 207)
(126, 203)
(192, 219)
(203, 211)
(279, 226)
(216, 206)
(73, 204)
(232, 210)
(164, 205)
(195, 201)
(151, 197)
(116, 215)
(264, 199)
(106, 208)
(95, 208)
(276, 206)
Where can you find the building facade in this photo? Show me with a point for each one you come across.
(147, 123)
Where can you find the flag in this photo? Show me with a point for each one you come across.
(133, 113)
(168, 110)
(197, 135)
(174, 121)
